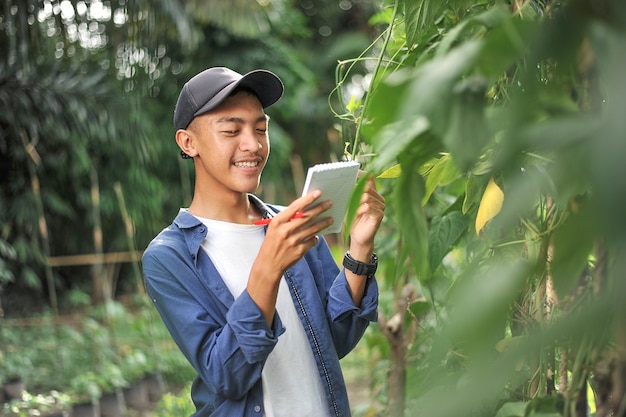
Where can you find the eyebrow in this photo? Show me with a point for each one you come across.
(264, 118)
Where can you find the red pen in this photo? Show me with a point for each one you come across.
(264, 222)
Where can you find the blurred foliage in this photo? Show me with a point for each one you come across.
(510, 109)
(179, 404)
(87, 91)
(107, 347)
(497, 130)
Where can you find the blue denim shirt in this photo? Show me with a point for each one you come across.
(227, 340)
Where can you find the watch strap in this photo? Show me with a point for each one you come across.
(361, 268)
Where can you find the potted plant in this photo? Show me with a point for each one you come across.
(135, 367)
(112, 381)
(52, 404)
(13, 370)
(155, 384)
(85, 393)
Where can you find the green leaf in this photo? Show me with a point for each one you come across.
(412, 102)
(473, 193)
(394, 139)
(573, 243)
(411, 218)
(492, 17)
(444, 232)
(430, 88)
(467, 132)
(503, 46)
(420, 16)
(512, 409)
(393, 172)
(545, 407)
(418, 308)
(353, 205)
(442, 172)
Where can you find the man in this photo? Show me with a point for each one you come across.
(262, 313)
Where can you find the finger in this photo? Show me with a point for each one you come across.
(370, 185)
(315, 227)
(298, 205)
(314, 210)
(372, 197)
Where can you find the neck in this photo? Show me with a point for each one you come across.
(234, 209)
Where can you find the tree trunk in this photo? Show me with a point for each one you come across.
(399, 339)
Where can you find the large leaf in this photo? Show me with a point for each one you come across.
(429, 88)
(412, 223)
(609, 146)
(467, 132)
(394, 139)
(504, 45)
(444, 232)
(424, 96)
(573, 243)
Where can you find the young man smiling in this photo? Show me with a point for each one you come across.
(262, 313)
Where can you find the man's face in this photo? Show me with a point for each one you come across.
(232, 144)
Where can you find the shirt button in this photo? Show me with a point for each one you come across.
(257, 408)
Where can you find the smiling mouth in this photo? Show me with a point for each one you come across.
(246, 164)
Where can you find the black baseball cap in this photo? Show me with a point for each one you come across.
(208, 89)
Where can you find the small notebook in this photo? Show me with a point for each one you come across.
(336, 181)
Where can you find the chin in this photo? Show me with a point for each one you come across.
(250, 188)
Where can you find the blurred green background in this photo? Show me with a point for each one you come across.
(495, 130)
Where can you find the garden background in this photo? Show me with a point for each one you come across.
(495, 130)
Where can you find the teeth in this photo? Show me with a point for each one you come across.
(246, 164)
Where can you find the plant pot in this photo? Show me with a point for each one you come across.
(86, 409)
(13, 389)
(156, 387)
(136, 396)
(112, 404)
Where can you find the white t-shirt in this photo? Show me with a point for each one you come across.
(291, 382)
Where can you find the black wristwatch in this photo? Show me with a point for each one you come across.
(361, 268)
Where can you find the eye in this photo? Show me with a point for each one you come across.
(230, 132)
(261, 128)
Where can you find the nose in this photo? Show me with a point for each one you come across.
(249, 141)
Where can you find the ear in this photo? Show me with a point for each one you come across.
(185, 140)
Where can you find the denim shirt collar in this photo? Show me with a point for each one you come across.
(195, 231)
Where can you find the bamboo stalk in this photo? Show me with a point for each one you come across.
(130, 236)
(98, 294)
(34, 160)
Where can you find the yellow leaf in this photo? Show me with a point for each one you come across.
(393, 172)
(490, 205)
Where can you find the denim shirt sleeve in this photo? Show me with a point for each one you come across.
(226, 344)
(347, 322)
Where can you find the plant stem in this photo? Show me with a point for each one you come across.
(379, 61)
